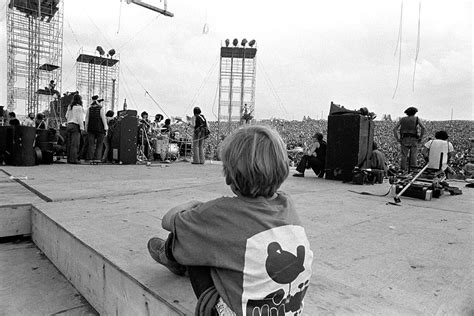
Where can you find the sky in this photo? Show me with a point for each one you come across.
(309, 53)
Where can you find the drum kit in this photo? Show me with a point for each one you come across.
(160, 143)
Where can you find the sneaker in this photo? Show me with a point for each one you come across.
(156, 248)
(300, 175)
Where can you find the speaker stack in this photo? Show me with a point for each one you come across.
(124, 138)
(44, 141)
(23, 152)
(349, 144)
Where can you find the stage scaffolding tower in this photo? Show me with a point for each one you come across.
(98, 75)
(236, 85)
(34, 53)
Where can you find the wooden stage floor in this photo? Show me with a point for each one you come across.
(369, 257)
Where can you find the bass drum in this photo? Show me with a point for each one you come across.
(173, 151)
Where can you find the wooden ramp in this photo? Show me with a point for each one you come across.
(370, 258)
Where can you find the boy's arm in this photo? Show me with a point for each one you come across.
(167, 220)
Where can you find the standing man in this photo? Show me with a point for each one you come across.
(96, 127)
(30, 120)
(409, 138)
(12, 120)
(314, 157)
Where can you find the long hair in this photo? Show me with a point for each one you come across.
(76, 100)
(255, 161)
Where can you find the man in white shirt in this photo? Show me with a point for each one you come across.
(30, 120)
(439, 151)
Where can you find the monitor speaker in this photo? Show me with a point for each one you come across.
(349, 144)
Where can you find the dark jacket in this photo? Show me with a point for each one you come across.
(95, 121)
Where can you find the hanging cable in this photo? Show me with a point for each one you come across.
(214, 102)
(399, 46)
(98, 29)
(138, 32)
(272, 89)
(417, 45)
(120, 16)
(203, 84)
(73, 34)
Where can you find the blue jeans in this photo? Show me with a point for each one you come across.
(409, 152)
(96, 141)
(73, 142)
(198, 149)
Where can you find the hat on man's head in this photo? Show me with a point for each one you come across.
(411, 110)
(96, 98)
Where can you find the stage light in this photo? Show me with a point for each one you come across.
(227, 42)
(111, 52)
(244, 41)
(251, 43)
(100, 50)
(235, 42)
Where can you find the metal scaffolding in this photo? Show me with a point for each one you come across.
(236, 86)
(97, 75)
(34, 53)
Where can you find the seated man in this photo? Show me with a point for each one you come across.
(438, 152)
(469, 168)
(314, 158)
(378, 163)
(377, 160)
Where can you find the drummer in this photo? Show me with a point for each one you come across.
(166, 129)
(157, 123)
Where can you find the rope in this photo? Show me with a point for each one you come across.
(159, 106)
(138, 32)
(203, 83)
(214, 102)
(73, 34)
(272, 89)
(399, 42)
(417, 45)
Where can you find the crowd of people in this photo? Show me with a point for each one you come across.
(296, 133)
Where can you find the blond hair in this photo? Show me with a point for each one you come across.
(255, 161)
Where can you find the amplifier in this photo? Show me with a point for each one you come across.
(416, 191)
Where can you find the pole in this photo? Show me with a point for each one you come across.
(242, 87)
(113, 94)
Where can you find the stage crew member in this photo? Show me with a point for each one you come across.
(75, 124)
(96, 127)
(314, 158)
(409, 137)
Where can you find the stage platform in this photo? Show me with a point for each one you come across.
(369, 257)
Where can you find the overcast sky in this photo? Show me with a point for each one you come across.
(309, 54)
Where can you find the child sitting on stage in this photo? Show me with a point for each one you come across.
(247, 253)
